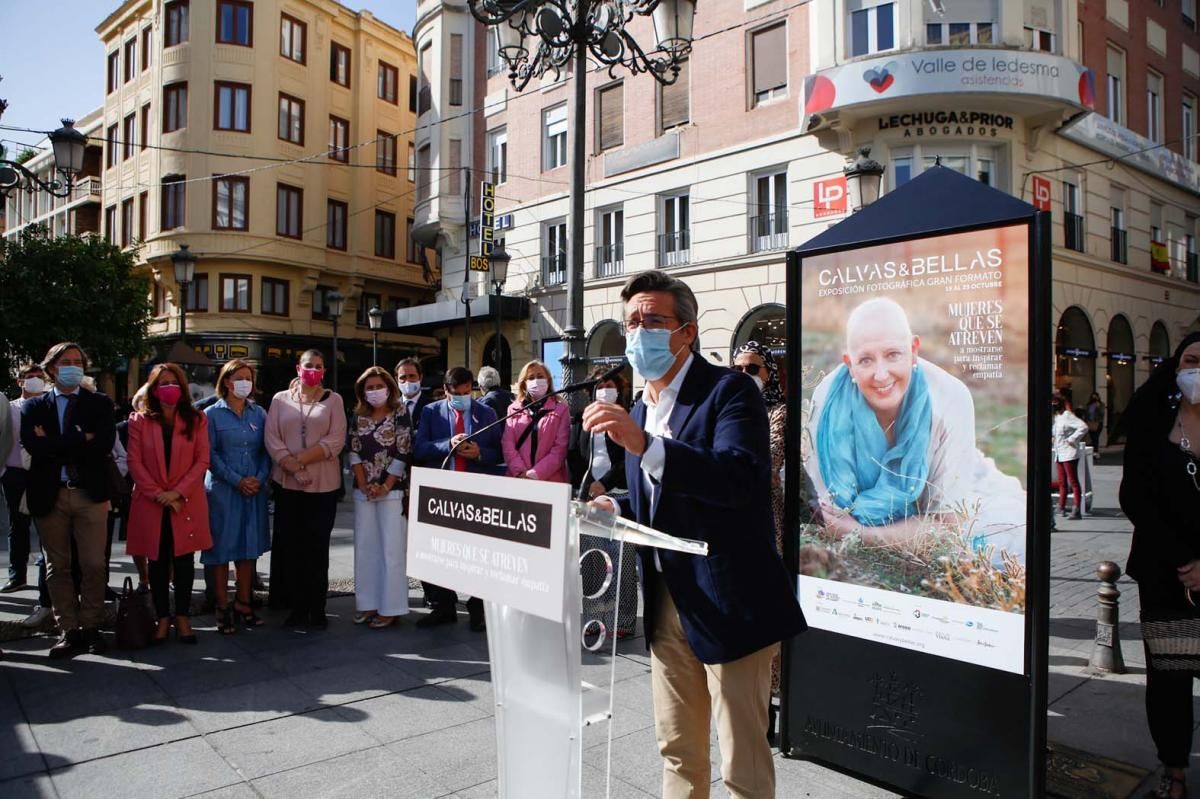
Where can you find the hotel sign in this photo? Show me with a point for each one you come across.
(939, 72)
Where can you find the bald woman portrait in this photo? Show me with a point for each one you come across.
(891, 445)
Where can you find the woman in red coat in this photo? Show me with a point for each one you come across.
(168, 514)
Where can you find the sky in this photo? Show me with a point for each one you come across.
(52, 62)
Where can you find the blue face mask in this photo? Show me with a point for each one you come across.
(459, 402)
(650, 351)
(70, 376)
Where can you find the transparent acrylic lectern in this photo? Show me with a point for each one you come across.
(542, 703)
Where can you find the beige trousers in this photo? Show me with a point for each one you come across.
(74, 515)
(688, 695)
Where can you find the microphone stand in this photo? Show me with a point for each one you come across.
(533, 406)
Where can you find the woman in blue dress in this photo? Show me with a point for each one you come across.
(237, 492)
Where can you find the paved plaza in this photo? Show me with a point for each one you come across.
(403, 712)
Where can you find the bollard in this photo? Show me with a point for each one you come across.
(1106, 651)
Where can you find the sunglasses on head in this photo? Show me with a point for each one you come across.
(751, 369)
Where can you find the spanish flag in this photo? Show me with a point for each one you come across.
(1159, 259)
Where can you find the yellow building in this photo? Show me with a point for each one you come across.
(272, 138)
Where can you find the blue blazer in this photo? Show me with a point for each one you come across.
(437, 428)
(716, 488)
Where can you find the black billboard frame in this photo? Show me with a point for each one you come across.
(1033, 684)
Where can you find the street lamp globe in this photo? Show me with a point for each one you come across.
(69, 145)
(184, 263)
(335, 303)
(863, 179)
(499, 260)
(673, 25)
(375, 318)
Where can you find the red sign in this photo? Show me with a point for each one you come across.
(1041, 192)
(829, 197)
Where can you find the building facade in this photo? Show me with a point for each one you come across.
(268, 137)
(1086, 108)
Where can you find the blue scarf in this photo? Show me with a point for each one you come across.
(877, 484)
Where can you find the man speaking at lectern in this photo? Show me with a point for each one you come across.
(698, 467)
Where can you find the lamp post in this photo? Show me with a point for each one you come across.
(499, 263)
(541, 36)
(375, 320)
(466, 301)
(863, 179)
(68, 145)
(183, 261)
(335, 303)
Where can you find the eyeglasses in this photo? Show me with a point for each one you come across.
(648, 321)
(751, 369)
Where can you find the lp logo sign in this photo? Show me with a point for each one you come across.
(829, 197)
(1041, 193)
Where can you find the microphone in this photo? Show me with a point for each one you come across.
(580, 386)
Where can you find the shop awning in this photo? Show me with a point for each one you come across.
(424, 318)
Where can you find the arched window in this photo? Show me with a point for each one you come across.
(1075, 356)
(766, 324)
(1121, 361)
(1160, 343)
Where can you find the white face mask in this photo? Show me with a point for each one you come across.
(376, 396)
(758, 381)
(1188, 381)
(536, 387)
(606, 395)
(242, 388)
(410, 390)
(34, 385)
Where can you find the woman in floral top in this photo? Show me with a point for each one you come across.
(380, 452)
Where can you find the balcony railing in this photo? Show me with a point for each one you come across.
(769, 232)
(610, 260)
(1193, 267)
(674, 248)
(1073, 230)
(554, 269)
(1120, 245)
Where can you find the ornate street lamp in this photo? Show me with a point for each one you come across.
(863, 178)
(335, 303)
(375, 320)
(541, 36)
(183, 261)
(499, 260)
(68, 145)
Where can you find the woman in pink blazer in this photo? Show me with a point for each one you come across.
(535, 442)
(168, 514)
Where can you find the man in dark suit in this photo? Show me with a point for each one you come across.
(698, 466)
(415, 396)
(69, 435)
(443, 424)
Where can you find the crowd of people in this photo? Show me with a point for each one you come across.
(698, 455)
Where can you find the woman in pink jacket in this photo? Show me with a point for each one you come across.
(535, 442)
(168, 513)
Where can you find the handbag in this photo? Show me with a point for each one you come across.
(119, 489)
(135, 621)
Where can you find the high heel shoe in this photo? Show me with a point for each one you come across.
(184, 639)
(249, 617)
(226, 622)
(159, 640)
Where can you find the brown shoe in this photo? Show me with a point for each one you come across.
(69, 645)
(94, 641)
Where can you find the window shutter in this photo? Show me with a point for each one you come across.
(674, 99)
(455, 167)
(770, 59)
(456, 56)
(612, 106)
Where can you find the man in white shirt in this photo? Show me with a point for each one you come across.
(698, 466)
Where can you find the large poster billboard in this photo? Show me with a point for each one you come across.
(914, 381)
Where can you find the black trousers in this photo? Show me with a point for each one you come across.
(15, 481)
(300, 550)
(161, 577)
(1168, 693)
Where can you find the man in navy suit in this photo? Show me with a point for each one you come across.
(408, 378)
(69, 435)
(698, 466)
(443, 424)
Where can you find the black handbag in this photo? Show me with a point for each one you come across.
(135, 621)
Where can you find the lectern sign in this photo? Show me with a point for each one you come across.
(496, 538)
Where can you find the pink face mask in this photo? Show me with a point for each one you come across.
(311, 377)
(168, 394)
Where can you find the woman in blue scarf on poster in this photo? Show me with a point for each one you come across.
(895, 445)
